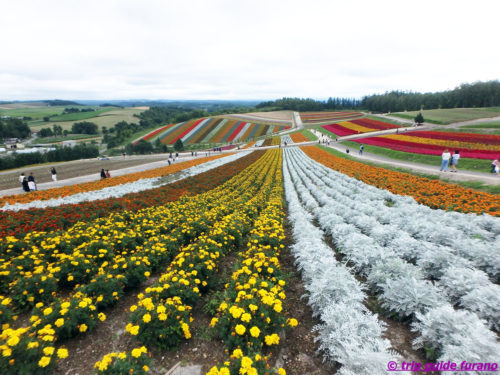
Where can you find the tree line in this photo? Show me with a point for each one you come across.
(80, 151)
(467, 95)
(14, 128)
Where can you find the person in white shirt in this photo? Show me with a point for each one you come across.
(445, 159)
(454, 160)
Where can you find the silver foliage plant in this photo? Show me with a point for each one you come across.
(348, 334)
(349, 208)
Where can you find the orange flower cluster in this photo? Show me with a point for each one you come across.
(432, 193)
(298, 137)
(65, 191)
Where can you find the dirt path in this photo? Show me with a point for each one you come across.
(450, 125)
(80, 171)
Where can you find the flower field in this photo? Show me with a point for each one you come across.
(438, 280)
(372, 248)
(470, 145)
(317, 117)
(66, 191)
(211, 130)
(363, 125)
(432, 193)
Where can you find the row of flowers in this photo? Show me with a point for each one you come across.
(432, 193)
(312, 117)
(298, 137)
(64, 318)
(161, 316)
(428, 149)
(114, 186)
(333, 292)
(371, 235)
(250, 316)
(357, 126)
(55, 218)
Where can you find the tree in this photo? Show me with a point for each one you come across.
(419, 119)
(45, 132)
(84, 127)
(57, 130)
(179, 146)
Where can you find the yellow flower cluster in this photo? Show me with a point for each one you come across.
(136, 358)
(254, 316)
(223, 216)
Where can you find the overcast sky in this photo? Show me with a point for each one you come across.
(239, 49)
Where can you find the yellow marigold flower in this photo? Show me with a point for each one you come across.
(213, 322)
(253, 307)
(83, 327)
(101, 316)
(146, 318)
(255, 331)
(83, 304)
(292, 322)
(65, 305)
(224, 371)
(246, 362)
(59, 322)
(136, 352)
(145, 368)
(13, 341)
(273, 339)
(7, 352)
(33, 344)
(252, 371)
(162, 316)
(70, 278)
(240, 329)
(237, 353)
(133, 308)
(246, 317)
(122, 355)
(49, 350)
(281, 371)
(44, 362)
(62, 353)
(47, 311)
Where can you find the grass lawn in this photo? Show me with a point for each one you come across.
(309, 135)
(448, 116)
(68, 138)
(389, 121)
(463, 129)
(476, 165)
(476, 185)
(36, 113)
(486, 125)
(108, 119)
(80, 116)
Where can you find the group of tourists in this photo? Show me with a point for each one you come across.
(28, 183)
(105, 174)
(448, 159)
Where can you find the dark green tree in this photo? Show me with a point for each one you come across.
(419, 119)
(179, 146)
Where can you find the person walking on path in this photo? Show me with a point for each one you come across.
(53, 173)
(495, 166)
(26, 187)
(445, 159)
(108, 175)
(31, 182)
(21, 178)
(361, 150)
(103, 174)
(454, 160)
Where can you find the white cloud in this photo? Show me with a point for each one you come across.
(220, 49)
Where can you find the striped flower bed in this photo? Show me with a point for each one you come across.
(433, 143)
(212, 130)
(358, 126)
(312, 117)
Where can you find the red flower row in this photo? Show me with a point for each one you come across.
(422, 148)
(487, 139)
